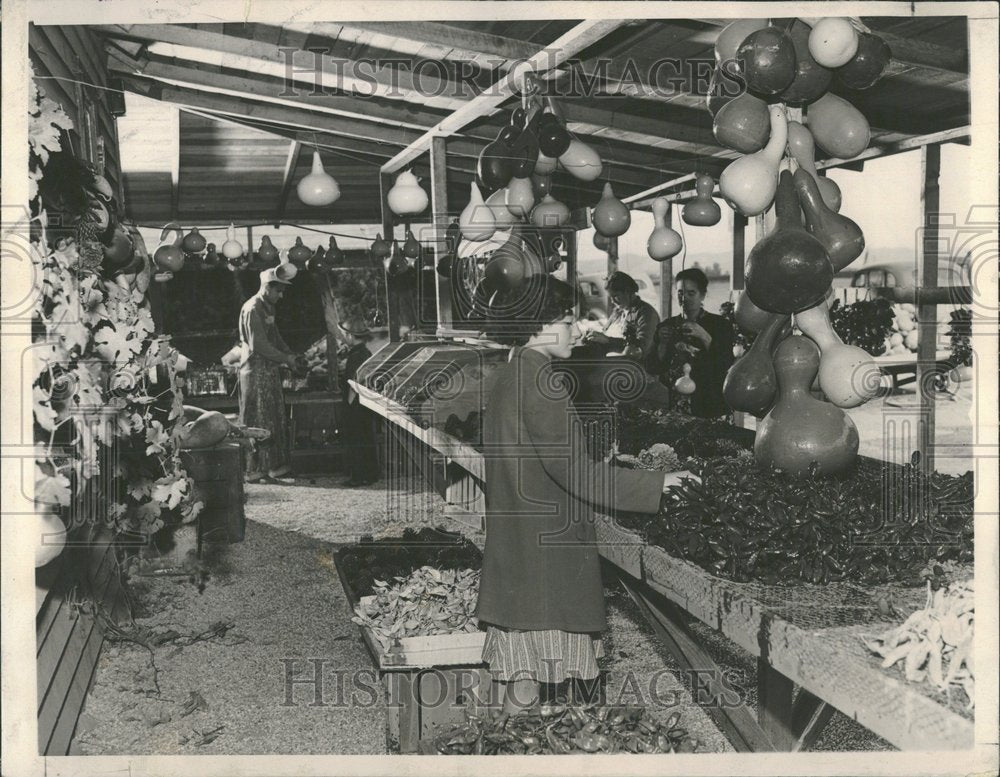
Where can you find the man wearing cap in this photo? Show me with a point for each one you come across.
(358, 432)
(632, 323)
(262, 402)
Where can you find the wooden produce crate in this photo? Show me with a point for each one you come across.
(429, 682)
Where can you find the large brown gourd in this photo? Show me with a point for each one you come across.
(789, 270)
(210, 428)
(767, 59)
(743, 124)
(751, 385)
(811, 79)
(840, 129)
(868, 64)
(800, 429)
(841, 237)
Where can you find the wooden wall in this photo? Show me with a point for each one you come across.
(69, 62)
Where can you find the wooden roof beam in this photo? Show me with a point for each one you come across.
(291, 164)
(575, 40)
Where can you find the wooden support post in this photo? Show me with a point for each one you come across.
(571, 272)
(612, 255)
(927, 277)
(439, 217)
(739, 250)
(667, 277)
(774, 705)
(388, 232)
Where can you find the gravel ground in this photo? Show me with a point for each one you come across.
(278, 598)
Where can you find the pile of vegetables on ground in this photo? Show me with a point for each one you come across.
(935, 644)
(879, 524)
(562, 729)
(428, 601)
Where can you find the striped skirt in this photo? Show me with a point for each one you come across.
(548, 656)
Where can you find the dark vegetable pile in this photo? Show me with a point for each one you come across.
(880, 524)
(864, 323)
(385, 559)
(638, 428)
(561, 729)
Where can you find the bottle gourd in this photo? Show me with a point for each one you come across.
(800, 429)
(749, 183)
(841, 237)
(802, 148)
(751, 385)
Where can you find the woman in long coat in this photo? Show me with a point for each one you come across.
(540, 594)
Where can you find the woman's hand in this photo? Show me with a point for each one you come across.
(698, 332)
(689, 348)
(596, 337)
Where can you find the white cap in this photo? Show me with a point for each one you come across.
(271, 276)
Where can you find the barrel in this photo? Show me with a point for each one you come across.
(218, 483)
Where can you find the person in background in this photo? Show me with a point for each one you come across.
(633, 321)
(262, 403)
(541, 598)
(696, 337)
(357, 424)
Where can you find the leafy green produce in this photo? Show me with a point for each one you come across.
(864, 323)
(560, 729)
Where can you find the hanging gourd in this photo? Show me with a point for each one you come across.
(868, 64)
(702, 211)
(407, 197)
(169, 257)
(267, 253)
(194, 242)
(505, 269)
(767, 61)
(119, 251)
(685, 384)
(601, 243)
(749, 183)
(749, 317)
(545, 165)
(801, 430)
(334, 256)
(811, 78)
(743, 124)
(581, 161)
(663, 242)
(833, 41)
(549, 213)
(316, 263)
(524, 150)
(541, 184)
(411, 248)
(299, 253)
(502, 215)
(848, 375)
(611, 216)
(751, 385)
(232, 249)
(477, 221)
(732, 35)
(318, 188)
(723, 87)
(841, 237)
(553, 138)
(802, 149)
(396, 263)
(788, 270)
(211, 257)
(839, 128)
(495, 166)
(380, 248)
(519, 197)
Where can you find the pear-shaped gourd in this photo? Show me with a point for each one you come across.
(519, 197)
(732, 35)
(751, 385)
(767, 61)
(553, 138)
(525, 146)
(411, 248)
(749, 183)
(334, 256)
(549, 213)
(839, 128)
(496, 162)
(841, 237)
(119, 251)
(317, 262)
(685, 384)
(801, 430)
(802, 149)
(267, 253)
(232, 248)
(848, 375)
(743, 124)
(833, 41)
(725, 85)
(541, 184)
(407, 197)
(380, 248)
(544, 165)
(300, 252)
(318, 188)
(211, 256)
(506, 267)
(868, 64)
(50, 537)
(581, 161)
(601, 243)
(702, 211)
(664, 242)
(194, 242)
(749, 317)
(395, 264)
(169, 257)
(811, 78)
(611, 216)
(503, 217)
(788, 270)
(477, 221)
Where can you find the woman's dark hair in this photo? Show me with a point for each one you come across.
(620, 281)
(516, 315)
(696, 276)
